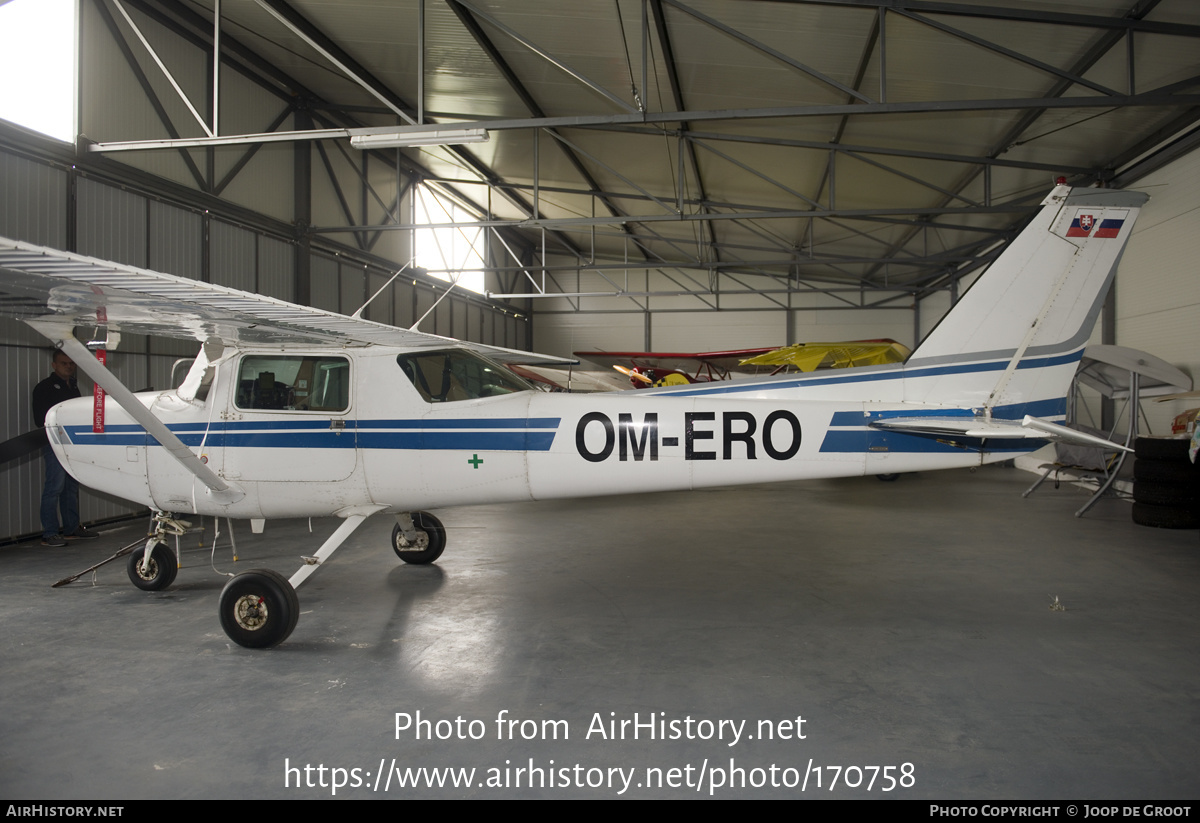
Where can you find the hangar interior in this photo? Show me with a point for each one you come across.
(659, 175)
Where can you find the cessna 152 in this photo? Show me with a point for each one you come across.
(295, 412)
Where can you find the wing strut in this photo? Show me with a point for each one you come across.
(63, 337)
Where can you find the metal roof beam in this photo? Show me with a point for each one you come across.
(765, 49)
(1102, 46)
(314, 36)
(148, 90)
(1155, 98)
(197, 30)
(668, 55)
(335, 54)
(912, 178)
(541, 52)
(1015, 55)
(782, 214)
(1024, 15)
(467, 19)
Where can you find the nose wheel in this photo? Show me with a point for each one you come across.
(153, 573)
(259, 609)
(154, 568)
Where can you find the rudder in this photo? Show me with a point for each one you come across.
(1011, 344)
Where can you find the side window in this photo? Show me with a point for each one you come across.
(294, 383)
(447, 376)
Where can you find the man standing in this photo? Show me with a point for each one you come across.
(61, 492)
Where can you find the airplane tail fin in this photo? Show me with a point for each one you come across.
(1010, 346)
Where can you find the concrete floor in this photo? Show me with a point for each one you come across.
(906, 623)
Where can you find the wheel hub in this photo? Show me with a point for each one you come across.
(250, 612)
(149, 570)
(418, 545)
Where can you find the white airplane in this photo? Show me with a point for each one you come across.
(295, 412)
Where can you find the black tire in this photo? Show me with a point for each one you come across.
(1176, 495)
(259, 609)
(1165, 517)
(161, 570)
(1164, 471)
(1161, 448)
(434, 533)
(887, 478)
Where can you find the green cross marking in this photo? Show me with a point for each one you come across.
(475, 461)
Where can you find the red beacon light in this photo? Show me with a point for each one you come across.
(1060, 181)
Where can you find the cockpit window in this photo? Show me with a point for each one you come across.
(294, 383)
(447, 376)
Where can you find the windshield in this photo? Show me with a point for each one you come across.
(447, 376)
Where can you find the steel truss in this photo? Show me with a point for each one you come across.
(794, 240)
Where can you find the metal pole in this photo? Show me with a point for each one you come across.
(216, 67)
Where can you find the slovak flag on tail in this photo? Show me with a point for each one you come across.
(1110, 225)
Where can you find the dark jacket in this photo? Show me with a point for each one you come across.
(49, 392)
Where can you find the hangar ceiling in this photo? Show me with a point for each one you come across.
(862, 146)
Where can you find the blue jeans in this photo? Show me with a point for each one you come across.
(61, 493)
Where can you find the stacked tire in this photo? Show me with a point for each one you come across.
(1166, 484)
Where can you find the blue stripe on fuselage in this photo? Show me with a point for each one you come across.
(868, 374)
(370, 434)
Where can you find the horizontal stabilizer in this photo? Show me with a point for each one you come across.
(1031, 428)
(1053, 431)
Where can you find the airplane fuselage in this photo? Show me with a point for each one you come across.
(380, 443)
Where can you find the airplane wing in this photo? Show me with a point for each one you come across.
(42, 283)
(811, 356)
(680, 361)
(1031, 428)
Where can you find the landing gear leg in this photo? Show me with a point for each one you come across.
(155, 568)
(259, 608)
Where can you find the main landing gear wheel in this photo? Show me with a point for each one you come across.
(259, 609)
(159, 572)
(430, 542)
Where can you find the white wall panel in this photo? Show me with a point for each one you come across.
(854, 324)
(583, 332)
(718, 331)
(1158, 286)
(933, 309)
